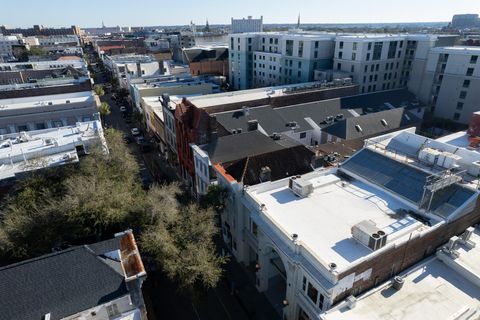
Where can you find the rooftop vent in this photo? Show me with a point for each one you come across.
(291, 124)
(339, 116)
(276, 136)
(252, 125)
(358, 128)
(384, 122)
(50, 103)
(368, 234)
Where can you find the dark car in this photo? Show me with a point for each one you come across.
(127, 138)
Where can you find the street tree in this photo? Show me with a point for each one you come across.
(104, 109)
(99, 90)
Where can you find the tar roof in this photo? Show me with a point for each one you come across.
(269, 120)
(371, 124)
(352, 106)
(239, 146)
(61, 283)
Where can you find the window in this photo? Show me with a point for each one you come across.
(40, 126)
(300, 49)
(366, 68)
(470, 72)
(368, 56)
(316, 44)
(354, 46)
(456, 116)
(22, 128)
(112, 310)
(289, 48)
(303, 135)
(320, 301)
(299, 64)
(254, 229)
(392, 48)
(304, 284)
(473, 59)
(339, 66)
(460, 106)
(312, 293)
(354, 55)
(340, 45)
(463, 94)
(340, 54)
(369, 46)
(466, 83)
(377, 50)
(352, 69)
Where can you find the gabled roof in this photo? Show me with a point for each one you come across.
(269, 119)
(371, 124)
(62, 283)
(282, 163)
(238, 146)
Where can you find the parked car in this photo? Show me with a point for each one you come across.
(139, 140)
(135, 131)
(127, 138)
(123, 109)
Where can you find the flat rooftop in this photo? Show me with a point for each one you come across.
(37, 101)
(323, 226)
(432, 290)
(458, 50)
(458, 139)
(22, 152)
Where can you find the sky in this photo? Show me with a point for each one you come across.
(91, 13)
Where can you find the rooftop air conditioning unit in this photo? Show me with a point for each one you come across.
(368, 234)
(448, 160)
(300, 187)
(474, 169)
(429, 155)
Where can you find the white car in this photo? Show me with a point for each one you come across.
(135, 131)
(123, 109)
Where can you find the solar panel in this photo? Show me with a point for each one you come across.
(406, 181)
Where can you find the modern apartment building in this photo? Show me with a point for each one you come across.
(451, 81)
(269, 59)
(247, 25)
(382, 62)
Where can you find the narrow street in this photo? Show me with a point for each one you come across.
(163, 298)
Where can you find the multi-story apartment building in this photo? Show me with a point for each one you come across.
(382, 62)
(6, 46)
(450, 82)
(247, 25)
(267, 59)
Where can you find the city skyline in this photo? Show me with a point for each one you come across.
(92, 14)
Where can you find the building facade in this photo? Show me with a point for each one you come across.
(451, 81)
(246, 25)
(268, 59)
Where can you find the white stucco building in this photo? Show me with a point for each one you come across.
(313, 240)
(130, 66)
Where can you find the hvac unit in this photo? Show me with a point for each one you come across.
(300, 187)
(474, 169)
(448, 160)
(429, 155)
(368, 234)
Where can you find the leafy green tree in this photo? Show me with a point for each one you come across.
(37, 51)
(104, 109)
(99, 90)
(102, 195)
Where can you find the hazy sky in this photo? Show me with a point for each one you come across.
(90, 13)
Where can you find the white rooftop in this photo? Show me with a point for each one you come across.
(435, 289)
(324, 219)
(458, 139)
(216, 99)
(56, 99)
(33, 150)
(457, 50)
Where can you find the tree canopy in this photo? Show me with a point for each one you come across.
(99, 196)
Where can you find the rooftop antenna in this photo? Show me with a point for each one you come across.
(298, 22)
(103, 25)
